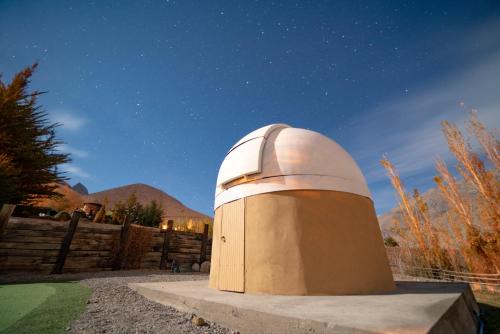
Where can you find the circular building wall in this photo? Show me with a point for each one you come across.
(309, 242)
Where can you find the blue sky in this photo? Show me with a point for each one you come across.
(157, 91)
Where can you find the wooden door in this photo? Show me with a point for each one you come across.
(232, 247)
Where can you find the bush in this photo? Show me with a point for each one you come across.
(145, 215)
(137, 245)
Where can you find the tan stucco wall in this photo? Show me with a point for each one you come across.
(306, 242)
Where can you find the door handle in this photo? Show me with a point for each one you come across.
(223, 239)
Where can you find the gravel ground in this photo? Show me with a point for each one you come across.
(114, 308)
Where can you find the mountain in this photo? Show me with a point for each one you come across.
(438, 208)
(69, 201)
(172, 208)
(80, 188)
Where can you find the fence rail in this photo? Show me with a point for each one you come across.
(447, 275)
(489, 282)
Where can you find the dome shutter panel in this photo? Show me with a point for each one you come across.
(246, 159)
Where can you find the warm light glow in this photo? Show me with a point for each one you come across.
(164, 226)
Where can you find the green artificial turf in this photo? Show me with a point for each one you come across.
(40, 307)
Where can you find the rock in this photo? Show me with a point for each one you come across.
(198, 321)
(185, 267)
(205, 267)
(195, 267)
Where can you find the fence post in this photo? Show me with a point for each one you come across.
(204, 244)
(64, 250)
(166, 244)
(117, 265)
(5, 214)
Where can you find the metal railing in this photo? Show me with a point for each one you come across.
(490, 282)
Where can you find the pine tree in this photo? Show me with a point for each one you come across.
(28, 144)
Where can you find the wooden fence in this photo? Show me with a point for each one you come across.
(28, 244)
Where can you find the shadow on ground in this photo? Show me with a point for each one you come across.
(489, 305)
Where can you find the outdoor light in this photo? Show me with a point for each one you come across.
(164, 227)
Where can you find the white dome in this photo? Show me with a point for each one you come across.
(278, 157)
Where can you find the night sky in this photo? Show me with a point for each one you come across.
(157, 91)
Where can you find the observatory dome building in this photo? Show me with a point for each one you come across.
(294, 216)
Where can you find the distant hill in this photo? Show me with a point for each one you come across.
(437, 205)
(173, 208)
(80, 188)
(70, 199)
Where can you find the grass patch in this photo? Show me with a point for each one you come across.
(489, 304)
(41, 307)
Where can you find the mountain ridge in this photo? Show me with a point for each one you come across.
(80, 188)
(72, 199)
(436, 203)
(172, 207)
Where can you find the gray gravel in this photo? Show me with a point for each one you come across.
(114, 308)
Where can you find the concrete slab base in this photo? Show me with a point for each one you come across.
(415, 307)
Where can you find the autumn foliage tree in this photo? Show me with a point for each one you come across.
(469, 239)
(28, 144)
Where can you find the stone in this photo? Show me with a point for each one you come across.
(198, 321)
(184, 267)
(195, 267)
(205, 267)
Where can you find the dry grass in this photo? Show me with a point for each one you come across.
(100, 215)
(469, 239)
(137, 245)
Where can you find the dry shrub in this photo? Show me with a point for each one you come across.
(469, 239)
(474, 218)
(138, 244)
(420, 238)
(100, 215)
